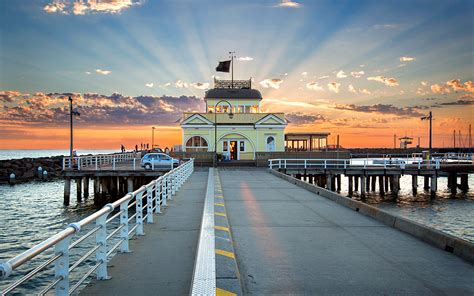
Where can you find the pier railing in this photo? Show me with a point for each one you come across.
(96, 161)
(353, 163)
(131, 211)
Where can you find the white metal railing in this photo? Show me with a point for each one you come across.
(353, 163)
(143, 203)
(96, 161)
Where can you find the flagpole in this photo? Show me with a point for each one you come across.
(232, 67)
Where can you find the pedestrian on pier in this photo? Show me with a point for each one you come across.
(122, 148)
(136, 148)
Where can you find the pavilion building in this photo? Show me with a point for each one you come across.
(233, 123)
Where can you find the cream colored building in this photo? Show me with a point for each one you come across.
(233, 115)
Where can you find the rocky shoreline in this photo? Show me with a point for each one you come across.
(26, 169)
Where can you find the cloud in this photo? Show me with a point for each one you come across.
(460, 102)
(439, 89)
(103, 72)
(289, 103)
(382, 109)
(53, 109)
(181, 84)
(88, 73)
(424, 83)
(271, 83)
(323, 77)
(301, 118)
(149, 84)
(341, 74)
(357, 74)
(288, 4)
(314, 86)
(304, 74)
(334, 87)
(455, 84)
(245, 59)
(387, 81)
(365, 91)
(407, 59)
(200, 85)
(79, 7)
(55, 7)
(385, 26)
(352, 89)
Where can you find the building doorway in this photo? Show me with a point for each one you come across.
(233, 150)
(270, 144)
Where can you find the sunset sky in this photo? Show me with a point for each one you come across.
(364, 70)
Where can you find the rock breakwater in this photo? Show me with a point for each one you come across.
(26, 169)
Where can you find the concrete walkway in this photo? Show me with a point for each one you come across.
(290, 241)
(162, 261)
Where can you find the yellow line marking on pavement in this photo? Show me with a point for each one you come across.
(222, 292)
(221, 228)
(225, 253)
(219, 196)
(219, 204)
(220, 214)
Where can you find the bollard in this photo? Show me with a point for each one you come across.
(40, 172)
(12, 179)
(45, 174)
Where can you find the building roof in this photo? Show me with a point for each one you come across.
(233, 93)
(238, 118)
(306, 136)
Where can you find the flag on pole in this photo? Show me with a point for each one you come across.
(223, 66)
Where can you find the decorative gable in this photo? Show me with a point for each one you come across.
(271, 119)
(196, 119)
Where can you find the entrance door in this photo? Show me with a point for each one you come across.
(270, 144)
(233, 150)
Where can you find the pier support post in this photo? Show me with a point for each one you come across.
(464, 184)
(356, 183)
(328, 182)
(86, 187)
(333, 183)
(373, 180)
(349, 189)
(362, 185)
(391, 178)
(434, 185)
(67, 191)
(386, 183)
(396, 184)
(454, 182)
(129, 184)
(366, 184)
(414, 184)
(426, 183)
(381, 187)
(79, 189)
(96, 187)
(338, 180)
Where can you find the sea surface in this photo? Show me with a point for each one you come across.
(31, 212)
(34, 153)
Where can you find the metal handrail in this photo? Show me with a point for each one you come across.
(403, 163)
(96, 161)
(156, 192)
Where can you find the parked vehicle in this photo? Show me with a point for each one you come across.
(158, 160)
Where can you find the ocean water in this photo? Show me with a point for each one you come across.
(34, 153)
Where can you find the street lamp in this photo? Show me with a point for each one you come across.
(71, 115)
(231, 115)
(430, 117)
(152, 137)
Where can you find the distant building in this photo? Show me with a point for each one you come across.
(233, 113)
(405, 141)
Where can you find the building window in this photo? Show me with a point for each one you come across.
(242, 146)
(270, 143)
(225, 146)
(196, 143)
(254, 109)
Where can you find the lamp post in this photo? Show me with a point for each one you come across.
(231, 115)
(430, 117)
(152, 137)
(71, 116)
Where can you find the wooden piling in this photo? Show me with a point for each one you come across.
(130, 184)
(79, 189)
(67, 191)
(86, 186)
(356, 183)
(328, 182)
(373, 180)
(367, 183)
(454, 182)
(362, 185)
(464, 186)
(426, 183)
(386, 183)
(381, 187)
(434, 185)
(338, 182)
(414, 184)
(349, 189)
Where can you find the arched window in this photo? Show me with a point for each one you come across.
(196, 143)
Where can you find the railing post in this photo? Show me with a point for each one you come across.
(164, 190)
(78, 163)
(305, 163)
(325, 163)
(124, 222)
(64, 163)
(61, 267)
(158, 195)
(149, 203)
(101, 239)
(384, 163)
(345, 163)
(139, 211)
(285, 163)
(173, 181)
(96, 166)
(113, 164)
(134, 164)
(152, 165)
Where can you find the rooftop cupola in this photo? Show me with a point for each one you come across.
(238, 93)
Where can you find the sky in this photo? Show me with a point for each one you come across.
(363, 70)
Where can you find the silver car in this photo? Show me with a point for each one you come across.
(158, 160)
